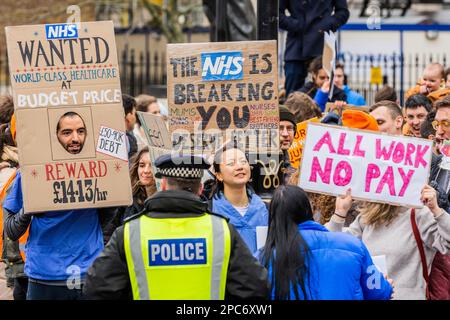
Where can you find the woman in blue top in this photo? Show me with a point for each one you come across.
(233, 198)
(305, 261)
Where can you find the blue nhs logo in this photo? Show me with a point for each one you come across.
(222, 66)
(177, 252)
(61, 31)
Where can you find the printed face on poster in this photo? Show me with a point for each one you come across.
(223, 92)
(70, 121)
(377, 167)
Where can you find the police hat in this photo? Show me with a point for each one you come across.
(181, 166)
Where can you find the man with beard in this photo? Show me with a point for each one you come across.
(71, 132)
(417, 108)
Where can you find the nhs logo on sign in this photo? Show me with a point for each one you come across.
(222, 66)
(176, 252)
(61, 31)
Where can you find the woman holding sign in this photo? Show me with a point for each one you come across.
(232, 197)
(305, 261)
(387, 230)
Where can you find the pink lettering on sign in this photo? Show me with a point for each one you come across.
(419, 156)
(388, 178)
(399, 153)
(326, 139)
(406, 180)
(342, 180)
(410, 148)
(383, 152)
(357, 152)
(316, 169)
(372, 172)
(341, 149)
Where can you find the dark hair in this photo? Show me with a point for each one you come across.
(386, 93)
(394, 108)
(6, 139)
(286, 250)
(128, 103)
(69, 114)
(218, 185)
(443, 103)
(418, 100)
(142, 103)
(426, 128)
(6, 108)
(447, 72)
(139, 191)
(315, 65)
(302, 106)
(190, 185)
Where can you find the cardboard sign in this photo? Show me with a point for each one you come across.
(377, 167)
(296, 149)
(329, 52)
(70, 120)
(223, 91)
(155, 130)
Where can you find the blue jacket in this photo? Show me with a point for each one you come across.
(340, 267)
(306, 23)
(257, 215)
(60, 244)
(353, 98)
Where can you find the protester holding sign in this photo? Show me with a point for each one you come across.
(129, 107)
(307, 262)
(233, 198)
(387, 230)
(143, 186)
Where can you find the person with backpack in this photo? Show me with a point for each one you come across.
(409, 238)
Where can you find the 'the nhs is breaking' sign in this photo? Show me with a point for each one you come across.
(177, 252)
(222, 66)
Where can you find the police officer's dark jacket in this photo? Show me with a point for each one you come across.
(108, 277)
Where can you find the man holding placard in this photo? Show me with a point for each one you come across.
(73, 152)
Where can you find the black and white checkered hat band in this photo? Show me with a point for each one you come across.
(188, 173)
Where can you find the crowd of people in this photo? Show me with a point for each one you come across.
(317, 246)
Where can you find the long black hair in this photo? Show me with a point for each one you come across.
(286, 250)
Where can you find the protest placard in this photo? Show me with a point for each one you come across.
(155, 130)
(223, 91)
(377, 167)
(296, 149)
(70, 119)
(158, 138)
(331, 107)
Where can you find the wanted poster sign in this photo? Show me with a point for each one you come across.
(223, 92)
(377, 167)
(70, 120)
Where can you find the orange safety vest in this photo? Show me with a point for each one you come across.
(23, 238)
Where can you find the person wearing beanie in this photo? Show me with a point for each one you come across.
(359, 120)
(288, 126)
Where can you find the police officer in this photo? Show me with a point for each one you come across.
(175, 248)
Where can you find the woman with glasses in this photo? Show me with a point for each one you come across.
(233, 197)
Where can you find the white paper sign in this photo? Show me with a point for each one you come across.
(113, 143)
(377, 167)
(261, 236)
(380, 263)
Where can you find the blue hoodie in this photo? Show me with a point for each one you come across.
(60, 243)
(340, 267)
(353, 98)
(257, 215)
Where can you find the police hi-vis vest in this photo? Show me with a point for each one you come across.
(178, 258)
